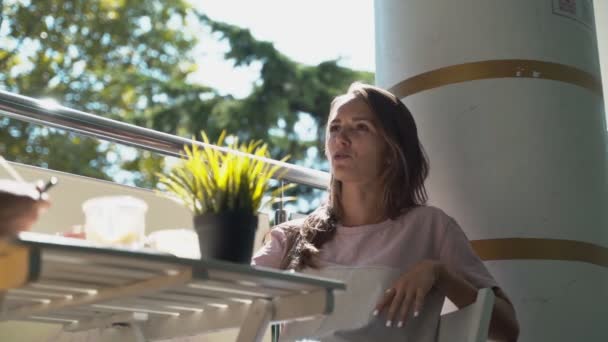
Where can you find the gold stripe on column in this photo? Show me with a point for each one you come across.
(540, 249)
(504, 68)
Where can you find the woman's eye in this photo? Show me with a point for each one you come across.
(362, 127)
(333, 128)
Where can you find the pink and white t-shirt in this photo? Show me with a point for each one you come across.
(369, 259)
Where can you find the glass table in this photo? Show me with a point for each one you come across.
(83, 286)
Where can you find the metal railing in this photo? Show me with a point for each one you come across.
(53, 115)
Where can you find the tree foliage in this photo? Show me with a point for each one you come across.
(130, 60)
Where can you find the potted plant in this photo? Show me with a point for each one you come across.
(224, 191)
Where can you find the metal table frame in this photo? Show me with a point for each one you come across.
(84, 286)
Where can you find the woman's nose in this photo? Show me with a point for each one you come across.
(343, 136)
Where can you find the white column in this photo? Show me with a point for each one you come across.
(601, 24)
(508, 101)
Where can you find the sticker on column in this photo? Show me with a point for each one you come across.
(577, 10)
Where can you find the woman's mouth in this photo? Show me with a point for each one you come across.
(341, 156)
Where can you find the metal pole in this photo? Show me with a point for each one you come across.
(53, 115)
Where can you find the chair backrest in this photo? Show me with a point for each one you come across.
(469, 324)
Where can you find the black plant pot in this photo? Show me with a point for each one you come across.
(226, 236)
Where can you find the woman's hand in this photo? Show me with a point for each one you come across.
(408, 292)
(20, 206)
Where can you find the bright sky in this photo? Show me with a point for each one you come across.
(310, 32)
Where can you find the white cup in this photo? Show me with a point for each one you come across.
(115, 220)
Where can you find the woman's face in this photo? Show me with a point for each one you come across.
(353, 142)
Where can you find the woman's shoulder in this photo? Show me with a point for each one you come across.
(428, 212)
(428, 216)
(288, 227)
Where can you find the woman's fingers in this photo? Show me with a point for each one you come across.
(43, 205)
(385, 301)
(407, 295)
(394, 307)
(406, 307)
(22, 223)
(420, 295)
(19, 213)
(17, 206)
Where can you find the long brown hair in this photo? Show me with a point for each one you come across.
(403, 178)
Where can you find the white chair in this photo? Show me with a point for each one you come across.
(469, 324)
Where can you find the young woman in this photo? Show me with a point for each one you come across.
(399, 257)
